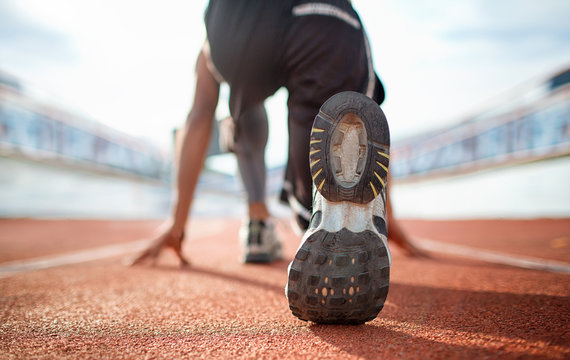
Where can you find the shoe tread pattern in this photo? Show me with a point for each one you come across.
(339, 278)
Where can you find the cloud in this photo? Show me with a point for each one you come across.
(28, 44)
(444, 60)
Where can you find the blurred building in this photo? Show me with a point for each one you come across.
(529, 124)
(508, 161)
(54, 163)
(35, 130)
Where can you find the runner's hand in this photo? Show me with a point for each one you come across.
(168, 239)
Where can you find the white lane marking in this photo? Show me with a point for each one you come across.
(14, 267)
(11, 268)
(493, 256)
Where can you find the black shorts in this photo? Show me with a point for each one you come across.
(314, 49)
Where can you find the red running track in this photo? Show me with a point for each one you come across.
(444, 307)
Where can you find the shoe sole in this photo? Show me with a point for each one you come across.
(339, 276)
(335, 123)
(258, 258)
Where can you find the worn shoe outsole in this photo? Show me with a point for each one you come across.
(354, 115)
(341, 271)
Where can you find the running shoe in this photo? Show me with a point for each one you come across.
(341, 271)
(259, 242)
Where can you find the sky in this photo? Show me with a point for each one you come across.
(129, 64)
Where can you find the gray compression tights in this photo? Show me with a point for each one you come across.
(250, 140)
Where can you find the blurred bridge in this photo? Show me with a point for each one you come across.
(529, 124)
(509, 161)
(35, 130)
(463, 171)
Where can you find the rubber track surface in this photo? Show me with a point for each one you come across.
(442, 308)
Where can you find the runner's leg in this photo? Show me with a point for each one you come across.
(324, 54)
(250, 142)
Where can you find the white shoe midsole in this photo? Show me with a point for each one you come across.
(354, 217)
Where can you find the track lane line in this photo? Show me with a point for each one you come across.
(15, 267)
(492, 256)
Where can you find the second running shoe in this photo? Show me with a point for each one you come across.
(259, 242)
(341, 271)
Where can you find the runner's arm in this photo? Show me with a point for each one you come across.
(197, 133)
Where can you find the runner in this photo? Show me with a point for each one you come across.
(315, 50)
